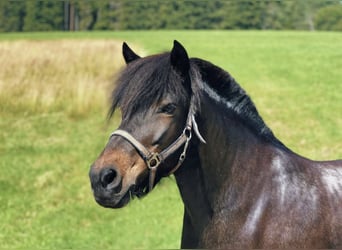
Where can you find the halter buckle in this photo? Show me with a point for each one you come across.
(153, 161)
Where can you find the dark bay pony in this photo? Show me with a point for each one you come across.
(241, 186)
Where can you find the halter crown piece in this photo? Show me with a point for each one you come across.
(154, 159)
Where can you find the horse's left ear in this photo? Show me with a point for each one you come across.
(179, 58)
(128, 53)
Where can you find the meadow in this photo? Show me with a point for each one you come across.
(54, 90)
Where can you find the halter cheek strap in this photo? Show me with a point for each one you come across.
(154, 159)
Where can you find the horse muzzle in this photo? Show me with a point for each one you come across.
(111, 189)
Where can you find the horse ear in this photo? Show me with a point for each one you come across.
(128, 53)
(179, 58)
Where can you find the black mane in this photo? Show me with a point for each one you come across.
(225, 86)
(145, 81)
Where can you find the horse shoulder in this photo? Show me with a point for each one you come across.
(331, 176)
(306, 202)
(331, 179)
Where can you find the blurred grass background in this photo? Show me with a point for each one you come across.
(54, 90)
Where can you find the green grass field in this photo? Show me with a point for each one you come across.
(54, 89)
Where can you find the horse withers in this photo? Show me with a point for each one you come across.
(241, 186)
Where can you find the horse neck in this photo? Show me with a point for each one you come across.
(217, 171)
(228, 154)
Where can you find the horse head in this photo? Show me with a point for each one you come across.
(154, 96)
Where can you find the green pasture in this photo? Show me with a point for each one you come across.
(54, 90)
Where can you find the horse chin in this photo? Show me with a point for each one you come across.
(138, 191)
(114, 202)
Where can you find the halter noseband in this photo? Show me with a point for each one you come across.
(154, 159)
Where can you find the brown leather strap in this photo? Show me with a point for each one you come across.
(143, 151)
(153, 159)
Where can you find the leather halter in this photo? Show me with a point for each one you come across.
(154, 159)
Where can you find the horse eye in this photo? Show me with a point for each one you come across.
(168, 108)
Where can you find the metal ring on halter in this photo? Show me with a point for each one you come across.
(153, 161)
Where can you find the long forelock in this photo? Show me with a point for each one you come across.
(145, 82)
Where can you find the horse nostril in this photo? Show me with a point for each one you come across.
(108, 176)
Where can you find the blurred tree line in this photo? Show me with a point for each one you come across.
(45, 15)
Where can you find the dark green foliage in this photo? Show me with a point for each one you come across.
(12, 15)
(88, 14)
(46, 15)
(329, 18)
(43, 16)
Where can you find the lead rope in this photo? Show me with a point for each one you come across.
(152, 177)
